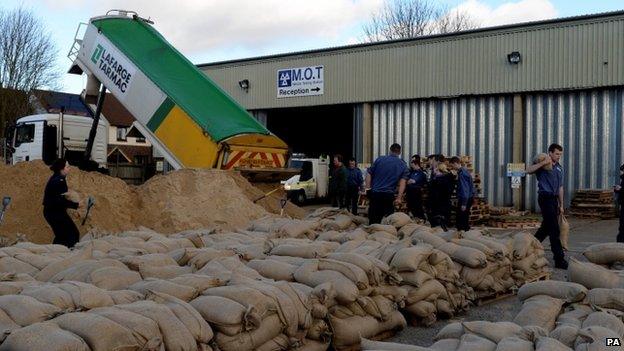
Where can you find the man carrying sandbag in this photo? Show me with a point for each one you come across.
(550, 200)
(382, 179)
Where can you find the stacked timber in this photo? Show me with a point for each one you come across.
(593, 203)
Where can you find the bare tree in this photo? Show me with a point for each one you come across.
(402, 19)
(27, 62)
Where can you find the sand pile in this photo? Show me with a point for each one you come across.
(25, 182)
(270, 203)
(187, 199)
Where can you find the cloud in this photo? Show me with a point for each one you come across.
(508, 12)
(197, 25)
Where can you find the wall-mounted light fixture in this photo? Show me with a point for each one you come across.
(244, 84)
(514, 58)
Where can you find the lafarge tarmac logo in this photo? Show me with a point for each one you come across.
(115, 67)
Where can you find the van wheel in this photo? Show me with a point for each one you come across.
(300, 198)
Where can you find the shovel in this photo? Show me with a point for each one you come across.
(90, 203)
(5, 204)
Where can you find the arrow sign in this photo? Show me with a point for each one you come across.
(316, 89)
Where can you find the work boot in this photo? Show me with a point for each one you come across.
(563, 264)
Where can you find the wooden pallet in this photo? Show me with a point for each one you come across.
(379, 337)
(542, 276)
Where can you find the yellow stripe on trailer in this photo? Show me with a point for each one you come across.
(181, 135)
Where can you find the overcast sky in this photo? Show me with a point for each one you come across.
(216, 30)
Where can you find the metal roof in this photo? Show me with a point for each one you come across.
(580, 52)
(371, 45)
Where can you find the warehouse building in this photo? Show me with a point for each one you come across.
(499, 94)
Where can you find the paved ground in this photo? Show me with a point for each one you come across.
(582, 234)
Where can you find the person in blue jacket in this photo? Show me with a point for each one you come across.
(355, 183)
(620, 193)
(55, 206)
(465, 194)
(414, 191)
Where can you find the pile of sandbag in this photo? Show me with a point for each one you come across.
(528, 258)
(594, 275)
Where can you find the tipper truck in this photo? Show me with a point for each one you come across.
(188, 119)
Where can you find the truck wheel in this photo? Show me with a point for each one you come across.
(300, 197)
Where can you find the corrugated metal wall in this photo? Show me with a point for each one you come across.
(574, 54)
(477, 126)
(588, 124)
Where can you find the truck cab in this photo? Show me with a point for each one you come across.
(48, 136)
(311, 183)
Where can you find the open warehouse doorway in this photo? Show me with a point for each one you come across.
(314, 131)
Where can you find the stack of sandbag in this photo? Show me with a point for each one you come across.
(160, 322)
(29, 258)
(528, 258)
(253, 314)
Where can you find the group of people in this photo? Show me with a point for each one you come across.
(389, 173)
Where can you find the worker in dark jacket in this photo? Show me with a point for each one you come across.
(355, 183)
(338, 182)
(415, 185)
(620, 194)
(55, 206)
(550, 200)
(440, 191)
(382, 180)
(465, 194)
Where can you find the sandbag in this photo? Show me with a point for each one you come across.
(390, 229)
(58, 266)
(594, 338)
(606, 320)
(427, 237)
(539, 158)
(349, 331)
(576, 316)
(145, 330)
(607, 298)
(13, 265)
(605, 253)
(408, 259)
(494, 331)
(38, 261)
(346, 291)
(273, 269)
(82, 270)
(593, 276)
(191, 319)
(570, 292)
(514, 343)
(416, 279)
(470, 342)
(541, 311)
(86, 296)
(49, 293)
(564, 231)
(550, 344)
(421, 309)
(182, 292)
(121, 297)
(163, 272)
(46, 336)
(113, 278)
(467, 256)
(445, 345)
(565, 334)
(397, 220)
(100, 333)
(248, 297)
(174, 332)
(350, 271)
(429, 288)
(25, 310)
(198, 281)
(269, 328)
(450, 331)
